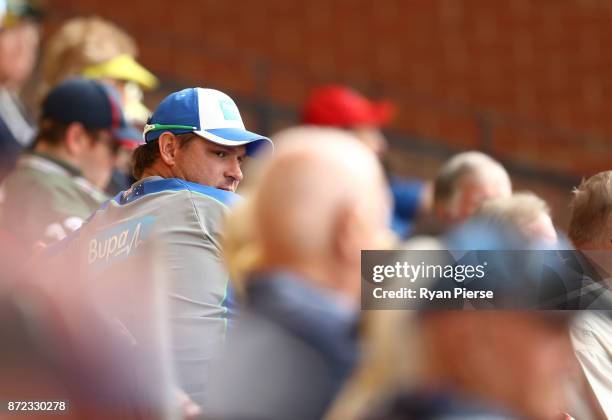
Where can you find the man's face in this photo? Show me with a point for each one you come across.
(530, 357)
(473, 191)
(211, 164)
(98, 159)
(18, 52)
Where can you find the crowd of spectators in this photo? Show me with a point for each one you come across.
(141, 281)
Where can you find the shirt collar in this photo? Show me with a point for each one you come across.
(70, 169)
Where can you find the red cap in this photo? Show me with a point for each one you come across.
(339, 106)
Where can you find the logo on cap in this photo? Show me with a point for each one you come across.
(230, 112)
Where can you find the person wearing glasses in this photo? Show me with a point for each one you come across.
(58, 184)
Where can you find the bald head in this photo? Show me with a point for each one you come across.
(465, 182)
(321, 199)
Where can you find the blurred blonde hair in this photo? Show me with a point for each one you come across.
(241, 247)
(392, 355)
(81, 42)
(517, 209)
(391, 363)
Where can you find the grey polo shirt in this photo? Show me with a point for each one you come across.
(184, 221)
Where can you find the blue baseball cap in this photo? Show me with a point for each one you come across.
(89, 102)
(207, 113)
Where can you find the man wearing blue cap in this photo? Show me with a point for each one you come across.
(187, 172)
(58, 184)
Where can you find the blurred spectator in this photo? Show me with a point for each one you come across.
(57, 185)
(463, 364)
(295, 344)
(591, 231)
(472, 368)
(463, 183)
(524, 211)
(187, 173)
(62, 350)
(95, 48)
(341, 107)
(19, 39)
(590, 224)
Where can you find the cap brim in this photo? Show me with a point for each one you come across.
(382, 112)
(123, 67)
(237, 137)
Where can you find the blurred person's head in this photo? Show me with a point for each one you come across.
(341, 107)
(95, 48)
(591, 213)
(197, 135)
(524, 211)
(321, 200)
(79, 124)
(19, 41)
(514, 360)
(465, 182)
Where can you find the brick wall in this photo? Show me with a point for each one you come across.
(527, 80)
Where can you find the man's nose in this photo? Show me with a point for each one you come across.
(234, 170)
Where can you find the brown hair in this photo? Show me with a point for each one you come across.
(53, 132)
(147, 154)
(591, 207)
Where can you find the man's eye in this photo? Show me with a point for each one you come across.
(221, 154)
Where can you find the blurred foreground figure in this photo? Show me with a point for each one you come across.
(92, 373)
(295, 343)
(591, 231)
(343, 108)
(57, 345)
(463, 184)
(487, 364)
(466, 364)
(187, 173)
(58, 184)
(19, 40)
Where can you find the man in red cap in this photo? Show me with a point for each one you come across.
(341, 107)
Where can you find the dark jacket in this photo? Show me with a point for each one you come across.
(288, 354)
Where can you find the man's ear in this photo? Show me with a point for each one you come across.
(75, 138)
(168, 145)
(348, 233)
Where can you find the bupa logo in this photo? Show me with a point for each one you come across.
(120, 241)
(230, 112)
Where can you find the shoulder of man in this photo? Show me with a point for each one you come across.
(38, 175)
(165, 185)
(48, 203)
(173, 202)
(209, 204)
(226, 198)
